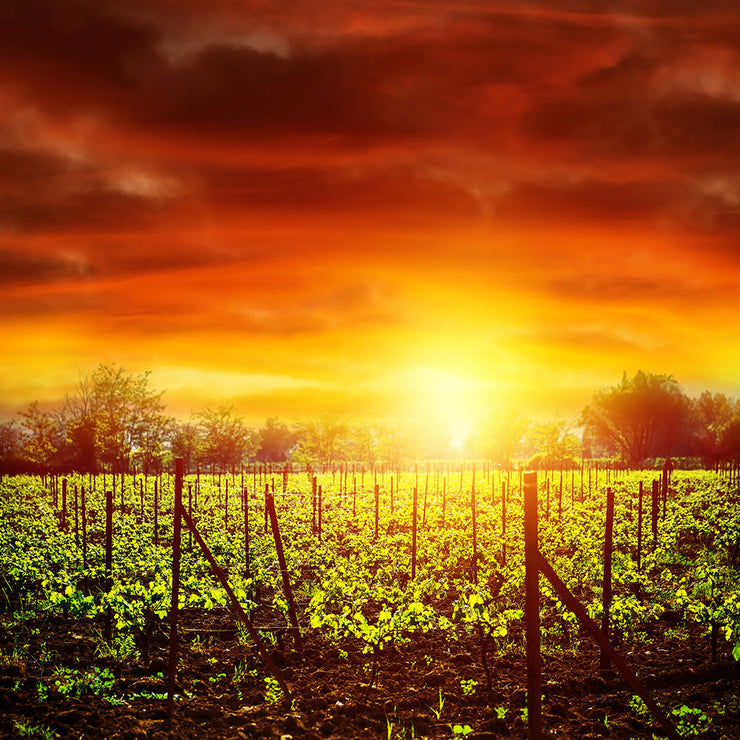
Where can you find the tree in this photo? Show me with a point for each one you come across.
(728, 439)
(42, 436)
(275, 441)
(78, 410)
(114, 418)
(393, 444)
(186, 442)
(712, 412)
(644, 416)
(501, 437)
(556, 446)
(227, 441)
(323, 441)
(10, 447)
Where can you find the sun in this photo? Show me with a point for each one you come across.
(454, 400)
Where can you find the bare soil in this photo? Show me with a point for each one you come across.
(332, 695)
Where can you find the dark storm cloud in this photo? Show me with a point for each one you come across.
(538, 90)
(85, 57)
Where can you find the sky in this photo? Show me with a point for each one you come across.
(371, 208)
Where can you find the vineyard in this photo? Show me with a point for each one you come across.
(365, 603)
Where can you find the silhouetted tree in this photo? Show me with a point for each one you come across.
(712, 411)
(556, 446)
(275, 441)
(186, 442)
(10, 447)
(227, 441)
(114, 417)
(393, 444)
(729, 439)
(42, 437)
(323, 441)
(643, 416)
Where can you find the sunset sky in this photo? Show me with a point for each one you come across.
(369, 207)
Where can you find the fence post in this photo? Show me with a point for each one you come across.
(413, 535)
(77, 517)
(320, 509)
(176, 528)
(377, 510)
(503, 523)
(474, 561)
(64, 505)
(108, 634)
(226, 507)
(287, 590)
(532, 608)
(592, 628)
(607, 582)
(156, 511)
(83, 504)
(639, 528)
(560, 496)
(654, 513)
(245, 494)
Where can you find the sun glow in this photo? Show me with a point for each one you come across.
(454, 400)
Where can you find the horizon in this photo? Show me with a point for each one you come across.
(375, 209)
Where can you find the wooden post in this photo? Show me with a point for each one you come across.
(592, 628)
(313, 503)
(320, 509)
(190, 512)
(503, 523)
(607, 582)
(474, 560)
(174, 606)
(413, 535)
(64, 504)
(287, 590)
(654, 519)
(444, 499)
(226, 507)
(377, 510)
(156, 511)
(532, 608)
(108, 627)
(664, 491)
(245, 495)
(83, 504)
(424, 508)
(239, 610)
(77, 518)
(560, 496)
(639, 528)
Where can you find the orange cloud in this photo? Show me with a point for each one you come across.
(368, 207)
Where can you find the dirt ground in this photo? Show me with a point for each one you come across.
(222, 692)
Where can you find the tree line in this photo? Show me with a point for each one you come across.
(114, 421)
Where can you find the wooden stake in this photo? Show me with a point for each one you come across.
(532, 608)
(607, 582)
(174, 605)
